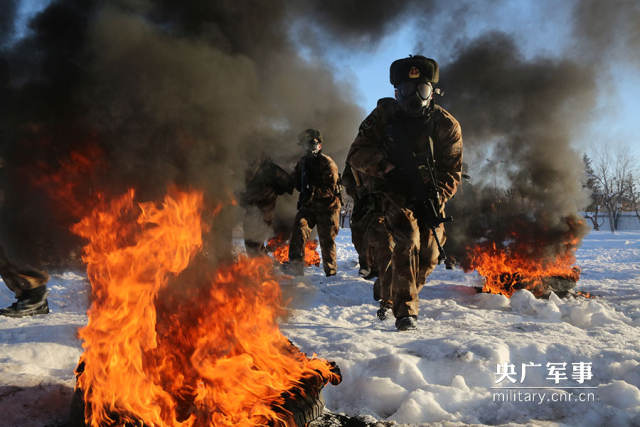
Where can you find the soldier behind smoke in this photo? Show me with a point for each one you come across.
(400, 140)
(316, 177)
(264, 182)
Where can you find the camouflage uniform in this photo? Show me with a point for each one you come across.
(29, 287)
(368, 233)
(382, 135)
(319, 204)
(264, 182)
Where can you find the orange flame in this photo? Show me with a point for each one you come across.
(505, 270)
(69, 184)
(212, 355)
(585, 294)
(279, 247)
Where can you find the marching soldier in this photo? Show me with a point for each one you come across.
(316, 178)
(412, 149)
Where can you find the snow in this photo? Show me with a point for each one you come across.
(38, 355)
(445, 372)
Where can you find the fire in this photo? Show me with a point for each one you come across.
(162, 350)
(279, 247)
(585, 294)
(69, 183)
(506, 270)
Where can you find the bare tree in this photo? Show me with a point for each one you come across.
(634, 193)
(595, 193)
(613, 172)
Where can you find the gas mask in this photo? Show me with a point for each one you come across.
(313, 146)
(311, 141)
(414, 97)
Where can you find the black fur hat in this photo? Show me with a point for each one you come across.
(414, 67)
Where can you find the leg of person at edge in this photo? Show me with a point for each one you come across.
(316, 178)
(396, 144)
(29, 287)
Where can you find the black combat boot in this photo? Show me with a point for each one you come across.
(329, 271)
(372, 273)
(406, 323)
(364, 272)
(382, 311)
(32, 301)
(364, 267)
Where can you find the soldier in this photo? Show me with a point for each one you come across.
(264, 182)
(316, 177)
(370, 234)
(29, 287)
(397, 144)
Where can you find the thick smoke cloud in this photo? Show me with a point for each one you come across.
(191, 92)
(518, 118)
(186, 93)
(606, 32)
(354, 23)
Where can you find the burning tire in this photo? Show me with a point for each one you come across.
(301, 405)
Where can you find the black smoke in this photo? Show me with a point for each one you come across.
(518, 117)
(163, 92)
(191, 92)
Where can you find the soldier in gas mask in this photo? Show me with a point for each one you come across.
(316, 178)
(411, 150)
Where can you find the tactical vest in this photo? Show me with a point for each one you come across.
(409, 144)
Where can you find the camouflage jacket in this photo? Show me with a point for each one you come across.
(386, 131)
(319, 174)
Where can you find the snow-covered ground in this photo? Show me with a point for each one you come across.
(453, 370)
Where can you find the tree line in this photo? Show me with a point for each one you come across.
(613, 180)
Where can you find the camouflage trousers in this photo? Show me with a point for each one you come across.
(359, 222)
(380, 244)
(327, 219)
(20, 280)
(414, 257)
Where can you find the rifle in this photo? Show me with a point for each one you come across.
(306, 191)
(339, 187)
(430, 200)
